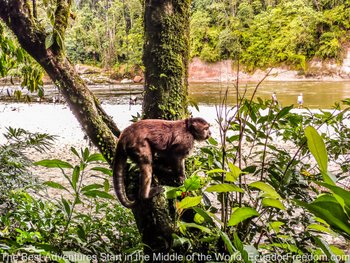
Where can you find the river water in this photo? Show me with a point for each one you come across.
(317, 95)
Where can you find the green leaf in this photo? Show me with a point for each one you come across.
(192, 183)
(317, 148)
(227, 242)
(276, 226)
(75, 177)
(320, 228)
(73, 150)
(98, 193)
(234, 173)
(54, 163)
(240, 214)
(271, 202)
(188, 202)
(66, 206)
(194, 225)
(224, 188)
(49, 41)
(266, 188)
(85, 154)
(95, 158)
(342, 195)
(91, 187)
(103, 170)
(55, 185)
(327, 208)
(326, 249)
(106, 185)
(216, 171)
(239, 246)
(204, 214)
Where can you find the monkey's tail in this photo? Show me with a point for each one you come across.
(119, 165)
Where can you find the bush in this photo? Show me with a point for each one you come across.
(84, 221)
(248, 195)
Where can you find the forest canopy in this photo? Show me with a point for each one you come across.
(260, 33)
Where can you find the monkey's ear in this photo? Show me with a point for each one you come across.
(189, 124)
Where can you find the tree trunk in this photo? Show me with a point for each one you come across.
(99, 127)
(165, 58)
(166, 25)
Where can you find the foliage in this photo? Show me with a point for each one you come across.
(16, 63)
(82, 221)
(14, 161)
(245, 193)
(269, 34)
(108, 33)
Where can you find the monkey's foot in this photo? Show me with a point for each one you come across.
(155, 191)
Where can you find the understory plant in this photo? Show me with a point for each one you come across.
(14, 161)
(76, 220)
(255, 194)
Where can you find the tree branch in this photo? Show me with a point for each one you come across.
(98, 126)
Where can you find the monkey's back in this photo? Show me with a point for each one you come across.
(159, 134)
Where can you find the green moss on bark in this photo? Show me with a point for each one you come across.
(166, 59)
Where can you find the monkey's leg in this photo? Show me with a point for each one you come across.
(145, 164)
(178, 163)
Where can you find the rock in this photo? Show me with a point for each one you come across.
(86, 69)
(124, 81)
(138, 79)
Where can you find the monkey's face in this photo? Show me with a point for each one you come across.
(199, 129)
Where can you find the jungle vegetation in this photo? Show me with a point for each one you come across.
(260, 33)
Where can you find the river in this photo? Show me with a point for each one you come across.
(317, 95)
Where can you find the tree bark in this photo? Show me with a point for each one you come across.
(166, 25)
(166, 48)
(98, 126)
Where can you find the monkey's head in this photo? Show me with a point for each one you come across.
(199, 128)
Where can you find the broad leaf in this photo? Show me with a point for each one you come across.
(188, 202)
(55, 185)
(317, 148)
(239, 246)
(97, 193)
(234, 173)
(240, 214)
(103, 170)
(95, 158)
(194, 225)
(326, 249)
(342, 195)
(271, 202)
(192, 183)
(91, 187)
(327, 208)
(224, 188)
(266, 188)
(231, 249)
(54, 163)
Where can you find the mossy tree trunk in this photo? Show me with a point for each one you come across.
(165, 58)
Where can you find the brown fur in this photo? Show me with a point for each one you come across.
(141, 141)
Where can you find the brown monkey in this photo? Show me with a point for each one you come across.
(146, 139)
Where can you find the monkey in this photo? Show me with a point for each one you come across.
(145, 140)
